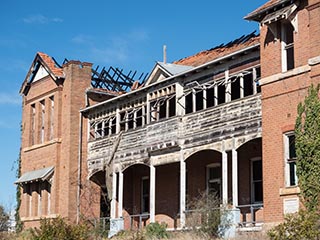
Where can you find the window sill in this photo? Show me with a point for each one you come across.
(38, 218)
(290, 73)
(41, 145)
(294, 190)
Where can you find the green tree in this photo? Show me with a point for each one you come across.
(307, 133)
(4, 220)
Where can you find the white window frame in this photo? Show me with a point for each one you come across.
(285, 46)
(252, 182)
(214, 180)
(286, 158)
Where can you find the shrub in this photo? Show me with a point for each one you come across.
(206, 215)
(302, 225)
(58, 229)
(157, 230)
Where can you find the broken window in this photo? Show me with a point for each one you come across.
(163, 103)
(235, 88)
(99, 130)
(210, 97)
(199, 100)
(106, 128)
(140, 116)
(189, 103)
(214, 175)
(256, 180)
(113, 125)
(123, 121)
(172, 106)
(162, 109)
(248, 84)
(145, 195)
(221, 93)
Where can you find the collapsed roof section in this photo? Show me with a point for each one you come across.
(115, 80)
(220, 51)
(111, 80)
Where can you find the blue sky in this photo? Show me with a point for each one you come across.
(125, 34)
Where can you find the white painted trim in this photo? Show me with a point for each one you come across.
(182, 190)
(224, 177)
(152, 193)
(234, 178)
(114, 196)
(285, 157)
(120, 195)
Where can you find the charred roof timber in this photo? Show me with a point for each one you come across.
(114, 79)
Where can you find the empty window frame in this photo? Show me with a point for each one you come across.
(214, 175)
(221, 93)
(256, 180)
(163, 107)
(235, 87)
(51, 118)
(162, 103)
(145, 195)
(140, 116)
(33, 124)
(99, 129)
(290, 159)
(287, 45)
(199, 100)
(127, 120)
(42, 121)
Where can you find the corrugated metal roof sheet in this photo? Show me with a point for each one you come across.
(174, 68)
(37, 175)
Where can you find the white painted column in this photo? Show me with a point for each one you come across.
(204, 98)
(120, 194)
(224, 177)
(180, 100)
(148, 120)
(228, 86)
(194, 100)
(182, 190)
(118, 120)
(215, 95)
(254, 77)
(234, 178)
(241, 87)
(114, 195)
(152, 193)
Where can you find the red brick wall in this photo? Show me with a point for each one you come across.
(279, 103)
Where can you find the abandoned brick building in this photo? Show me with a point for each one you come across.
(220, 121)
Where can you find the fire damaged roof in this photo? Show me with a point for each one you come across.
(258, 14)
(220, 51)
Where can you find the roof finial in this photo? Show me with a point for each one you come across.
(164, 54)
